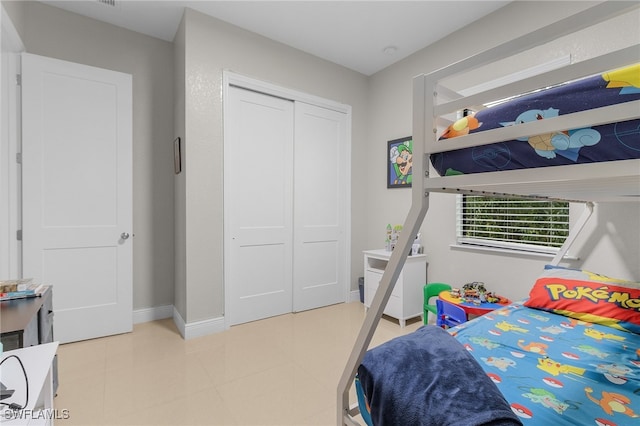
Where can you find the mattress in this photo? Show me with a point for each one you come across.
(555, 370)
(609, 142)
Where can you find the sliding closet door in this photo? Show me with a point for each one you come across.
(259, 193)
(321, 175)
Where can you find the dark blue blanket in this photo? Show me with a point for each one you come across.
(428, 378)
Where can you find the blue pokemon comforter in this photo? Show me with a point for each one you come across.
(609, 142)
(554, 370)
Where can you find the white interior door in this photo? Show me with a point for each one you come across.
(321, 177)
(10, 173)
(77, 193)
(258, 205)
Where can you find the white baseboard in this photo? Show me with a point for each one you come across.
(187, 331)
(197, 328)
(152, 314)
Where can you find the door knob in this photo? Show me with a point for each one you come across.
(124, 235)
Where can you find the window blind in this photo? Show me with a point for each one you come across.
(520, 224)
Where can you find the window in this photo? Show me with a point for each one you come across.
(519, 224)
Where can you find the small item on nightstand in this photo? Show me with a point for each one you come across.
(416, 248)
(395, 235)
(387, 241)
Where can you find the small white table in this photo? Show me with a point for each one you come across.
(406, 298)
(37, 361)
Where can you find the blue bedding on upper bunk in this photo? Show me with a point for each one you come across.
(614, 141)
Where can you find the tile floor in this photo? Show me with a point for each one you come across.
(278, 371)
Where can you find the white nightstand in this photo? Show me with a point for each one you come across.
(406, 299)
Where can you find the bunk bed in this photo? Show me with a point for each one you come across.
(613, 180)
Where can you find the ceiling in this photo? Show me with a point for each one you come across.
(365, 36)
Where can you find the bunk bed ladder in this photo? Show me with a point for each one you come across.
(415, 217)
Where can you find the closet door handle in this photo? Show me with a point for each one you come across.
(124, 235)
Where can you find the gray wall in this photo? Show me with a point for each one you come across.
(212, 46)
(613, 248)
(52, 32)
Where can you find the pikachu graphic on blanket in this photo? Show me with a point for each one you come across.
(599, 335)
(627, 78)
(555, 368)
(507, 326)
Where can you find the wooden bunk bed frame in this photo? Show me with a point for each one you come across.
(591, 183)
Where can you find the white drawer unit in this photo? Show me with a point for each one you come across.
(406, 298)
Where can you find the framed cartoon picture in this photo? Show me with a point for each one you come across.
(399, 162)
